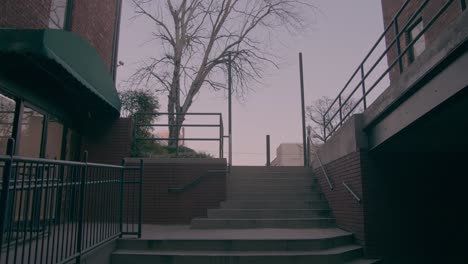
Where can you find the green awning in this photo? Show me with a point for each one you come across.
(77, 58)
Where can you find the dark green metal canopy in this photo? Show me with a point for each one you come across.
(77, 58)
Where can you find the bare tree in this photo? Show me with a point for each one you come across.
(323, 122)
(196, 39)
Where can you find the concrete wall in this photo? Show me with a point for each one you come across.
(93, 20)
(289, 154)
(162, 207)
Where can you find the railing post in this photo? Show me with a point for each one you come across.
(301, 76)
(230, 108)
(363, 84)
(463, 5)
(122, 178)
(5, 190)
(79, 240)
(324, 129)
(397, 32)
(309, 131)
(140, 199)
(341, 109)
(220, 137)
(268, 150)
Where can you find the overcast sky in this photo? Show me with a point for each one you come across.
(333, 47)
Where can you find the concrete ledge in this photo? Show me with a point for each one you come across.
(347, 139)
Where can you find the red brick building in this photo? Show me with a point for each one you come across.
(57, 91)
(409, 19)
(97, 22)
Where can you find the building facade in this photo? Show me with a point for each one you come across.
(57, 80)
(417, 24)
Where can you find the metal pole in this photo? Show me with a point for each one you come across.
(122, 178)
(463, 5)
(268, 150)
(230, 108)
(79, 240)
(5, 187)
(309, 130)
(140, 199)
(301, 72)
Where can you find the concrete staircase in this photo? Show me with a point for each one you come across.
(272, 215)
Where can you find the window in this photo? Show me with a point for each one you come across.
(73, 145)
(419, 45)
(7, 115)
(54, 139)
(31, 133)
(58, 12)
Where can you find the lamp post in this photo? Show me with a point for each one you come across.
(309, 130)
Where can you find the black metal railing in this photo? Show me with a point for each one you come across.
(144, 124)
(54, 211)
(343, 106)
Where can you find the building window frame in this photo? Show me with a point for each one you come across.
(409, 38)
(18, 121)
(67, 16)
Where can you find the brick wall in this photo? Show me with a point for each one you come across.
(162, 207)
(112, 145)
(391, 7)
(347, 211)
(93, 20)
(24, 14)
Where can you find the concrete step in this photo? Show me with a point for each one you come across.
(268, 213)
(234, 223)
(263, 169)
(273, 180)
(272, 175)
(250, 188)
(247, 245)
(336, 255)
(274, 195)
(364, 261)
(274, 204)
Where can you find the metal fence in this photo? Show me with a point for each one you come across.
(344, 106)
(56, 211)
(144, 124)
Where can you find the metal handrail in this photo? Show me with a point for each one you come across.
(194, 182)
(365, 74)
(77, 205)
(352, 193)
(322, 167)
(219, 125)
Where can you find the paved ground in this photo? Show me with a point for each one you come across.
(159, 232)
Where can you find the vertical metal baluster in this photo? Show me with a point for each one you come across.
(50, 206)
(340, 109)
(463, 5)
(19, 212)
(140, 199)
(12, 210)
(122, 175)
(4, 195)
(36, 204)
(57, 172)
(39, 205)
(26, 213)
(324, 128)
(80, 216)
(268, 150)
(363, 84)
(56, 184)
(66, 214)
